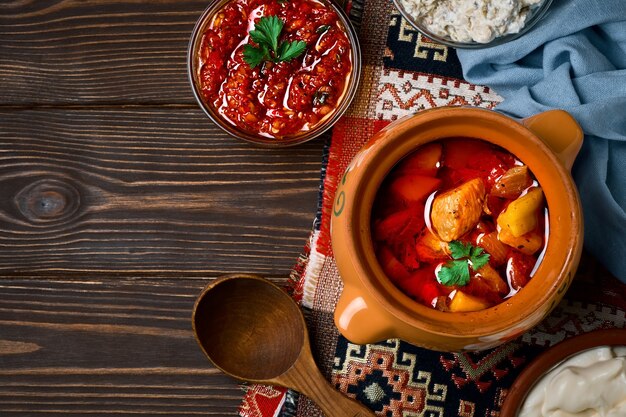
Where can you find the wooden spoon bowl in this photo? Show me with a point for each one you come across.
(253, 331)
(244, 323)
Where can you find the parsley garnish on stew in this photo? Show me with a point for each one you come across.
(456, 272)
(265, 34)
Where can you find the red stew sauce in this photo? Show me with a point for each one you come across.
(275, 99)
(459, 191)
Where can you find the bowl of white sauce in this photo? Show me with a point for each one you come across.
(472, 23)
(584, 376)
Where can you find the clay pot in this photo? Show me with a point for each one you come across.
(371, 308)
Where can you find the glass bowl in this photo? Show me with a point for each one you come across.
(535, 16)
(350, 89)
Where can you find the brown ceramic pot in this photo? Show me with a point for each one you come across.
(551, 358)
(371, 308)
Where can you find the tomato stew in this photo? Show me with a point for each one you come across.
(275, 99)
(459, 225)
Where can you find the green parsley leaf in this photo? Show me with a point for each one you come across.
(478, 258)
(459, 250)
(265, 34)
(454, 273)
(254, 56)
(290, 50)
(266, 31)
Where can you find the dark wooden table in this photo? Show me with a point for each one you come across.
(119, 201)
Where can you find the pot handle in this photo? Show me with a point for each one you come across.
(361, 320)
(560, 131)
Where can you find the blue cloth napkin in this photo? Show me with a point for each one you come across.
(575, 60)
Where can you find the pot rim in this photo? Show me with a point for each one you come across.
(511, 316)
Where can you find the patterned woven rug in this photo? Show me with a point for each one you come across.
(404, 73)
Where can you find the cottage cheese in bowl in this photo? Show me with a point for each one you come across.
(469, 21)
(589, 384)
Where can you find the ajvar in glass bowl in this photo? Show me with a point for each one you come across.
(275, 103)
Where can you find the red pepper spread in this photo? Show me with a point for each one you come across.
(275, 99)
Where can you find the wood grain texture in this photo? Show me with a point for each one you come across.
(148, 191)
(119, 200)
(106, 347)
(96, 52)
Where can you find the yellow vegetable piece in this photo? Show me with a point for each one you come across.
(465, 302)
(520, 217)
(492, 278)
(528, 243)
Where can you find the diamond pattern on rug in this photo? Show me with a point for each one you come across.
(407, 49)
(571, 318)
(387, 378)
(402, 93)
(397, 379)
(482, 369)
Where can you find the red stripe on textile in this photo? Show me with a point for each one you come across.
(261, 401)
(295, 285)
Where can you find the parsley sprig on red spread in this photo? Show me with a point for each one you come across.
(265, 34)
(456, 271)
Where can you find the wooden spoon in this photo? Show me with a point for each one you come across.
(253, 331)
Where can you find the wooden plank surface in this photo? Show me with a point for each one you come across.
(119, 201)
(96, 52)
(105, 347)
(148, 190)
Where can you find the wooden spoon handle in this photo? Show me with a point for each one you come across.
(309, 381)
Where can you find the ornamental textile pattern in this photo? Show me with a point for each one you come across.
(404, 73)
